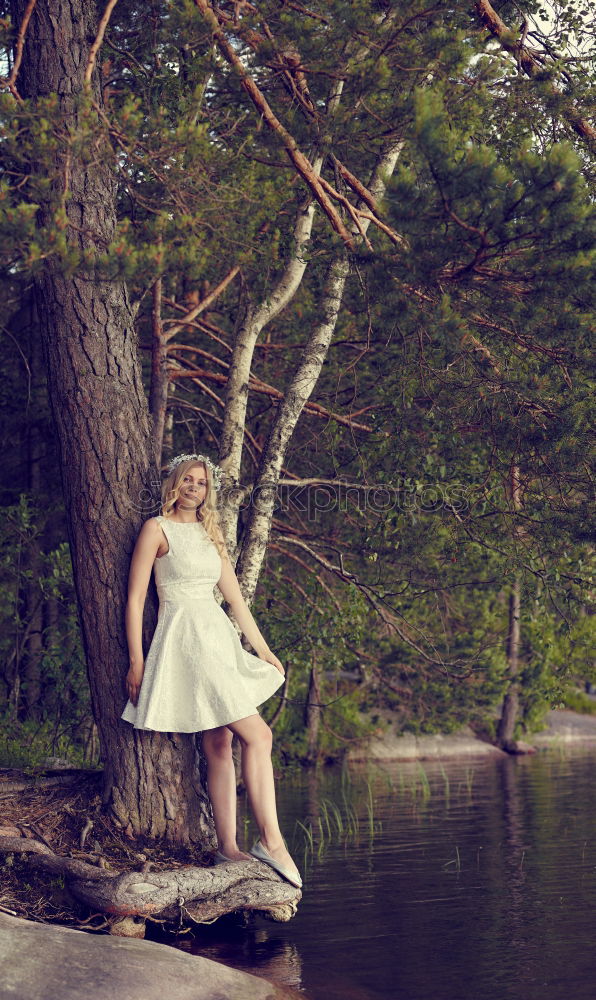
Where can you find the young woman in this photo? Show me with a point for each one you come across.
(196, 676)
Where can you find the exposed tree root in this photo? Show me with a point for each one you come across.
(201, 894)
(65, 862)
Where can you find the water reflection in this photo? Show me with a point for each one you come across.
(449, 881)
(257, 950)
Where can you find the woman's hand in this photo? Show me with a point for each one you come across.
(134, 679)
(270, 657)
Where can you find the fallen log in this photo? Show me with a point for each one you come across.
(188, 893)
(13, 780)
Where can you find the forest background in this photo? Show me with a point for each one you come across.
(353, 244)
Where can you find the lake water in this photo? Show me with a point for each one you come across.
(457, 880)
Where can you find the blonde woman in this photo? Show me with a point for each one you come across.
(196, 676)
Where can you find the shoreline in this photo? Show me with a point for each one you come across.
(563, 728)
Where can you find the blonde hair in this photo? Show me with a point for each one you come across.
(207, 513)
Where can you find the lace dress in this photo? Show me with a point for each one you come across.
(197, 675)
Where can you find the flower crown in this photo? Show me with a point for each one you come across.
(216, 472)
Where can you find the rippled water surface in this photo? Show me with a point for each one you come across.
(469, 880)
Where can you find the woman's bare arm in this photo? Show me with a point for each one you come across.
(230, 588)
(143, 557)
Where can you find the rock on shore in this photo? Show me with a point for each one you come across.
(49, 962)
(391, 746)
(562, 727)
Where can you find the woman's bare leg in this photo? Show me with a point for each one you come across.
(221, 781)
(256, 739)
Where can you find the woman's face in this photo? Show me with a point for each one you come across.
(193, 487)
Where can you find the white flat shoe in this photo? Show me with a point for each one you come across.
(261, 854)
(221, 858)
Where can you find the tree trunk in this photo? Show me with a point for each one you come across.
(34, 450)
(509, 712)
(158, 392)
(33, 615)
(510, 709)
(251, 321)
(109, 478)
(312, 713)
(167, 445)
(296, 396)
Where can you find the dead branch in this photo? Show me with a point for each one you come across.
(357, 186)
(98, 40)
(13, 781)
(356, 214)
(304, 10)
(379, 604)
(203, 304)
(11, 80)
(255, 385)
(290, 555)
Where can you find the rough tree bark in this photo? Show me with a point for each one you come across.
(110, 480)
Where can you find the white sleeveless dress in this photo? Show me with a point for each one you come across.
(197, 675)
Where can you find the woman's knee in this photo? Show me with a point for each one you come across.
(217, 743)
(253, 732)
(260, 736)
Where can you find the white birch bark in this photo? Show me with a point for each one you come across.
(251, 323)
(299, 391)
(254, 320)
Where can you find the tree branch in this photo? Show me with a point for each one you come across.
(203, 304)
(11, 80)
(300, 161)
(98, 39)
(529, 63)
(256, 385)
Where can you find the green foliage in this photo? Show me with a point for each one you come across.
(25, 744)
(315, 635)
(579, 701)
(43, 675)
(554, 654)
